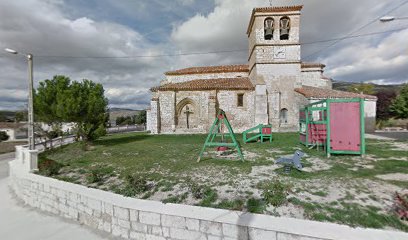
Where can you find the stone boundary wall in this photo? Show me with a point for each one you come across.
(132, 218)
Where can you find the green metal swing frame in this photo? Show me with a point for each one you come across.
(259, 135)
(215, 131)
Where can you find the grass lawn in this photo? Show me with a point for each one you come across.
(344, 189)
(6, 147)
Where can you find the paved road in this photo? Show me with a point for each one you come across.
(18, 222)
(393, 135)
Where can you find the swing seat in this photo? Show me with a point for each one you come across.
(222, 149)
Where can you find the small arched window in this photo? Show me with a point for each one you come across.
(284, 115)
(284, 25)
(268, 28)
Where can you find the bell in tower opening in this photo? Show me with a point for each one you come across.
(284, 28)
(268, 28)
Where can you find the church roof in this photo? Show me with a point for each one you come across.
(312, 65)
(242, 83)
(272, 10)
(210, 69)
(322, 93)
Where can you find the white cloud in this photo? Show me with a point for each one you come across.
(46, 27)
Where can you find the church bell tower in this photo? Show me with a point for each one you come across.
(275, 65)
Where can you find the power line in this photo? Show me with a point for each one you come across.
(213, 52)
(222, 51)
(360, 28)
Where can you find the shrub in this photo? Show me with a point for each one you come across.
(255, 205)
(98, 174)
(49, 167)
(275, 192)
(3, 136)
(134, 185)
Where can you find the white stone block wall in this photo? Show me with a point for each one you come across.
(130, 218)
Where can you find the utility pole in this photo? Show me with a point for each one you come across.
(31, 137)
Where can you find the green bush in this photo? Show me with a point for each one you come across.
(3, 136)
(134, 185)
(274, 192)
(255, 205)
(197, 191)
(98, 174)
(48, 167)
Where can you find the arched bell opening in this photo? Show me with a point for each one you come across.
(269, 28)
(284, 26)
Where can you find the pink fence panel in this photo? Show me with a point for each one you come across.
(345, 126)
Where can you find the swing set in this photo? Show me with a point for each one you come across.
(217, 138)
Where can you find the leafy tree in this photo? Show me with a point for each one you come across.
(3, 117)
(364, 88)
(61, 100)
(21, 116)
(88, 108)
(385, 98)
(141, 117)
(400, 105)
(48, 106)
(3, 136)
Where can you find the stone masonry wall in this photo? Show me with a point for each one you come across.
(130, 218)
(240, 118)
(314, 79)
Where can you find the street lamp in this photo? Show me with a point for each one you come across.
(31, 138)
(391, 18)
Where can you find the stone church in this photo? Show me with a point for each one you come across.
(270, 89)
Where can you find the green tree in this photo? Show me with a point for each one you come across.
(48, 106)
(3, 117)
(3, 136)
(364, 88)
(21, 116)
(87, 107)
(141, 117)
(400, 105)
(61, 100)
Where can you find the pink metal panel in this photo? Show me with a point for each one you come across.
(317, 133)
(302, 138)
(345, 126)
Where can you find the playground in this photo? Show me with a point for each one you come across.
(347, 189)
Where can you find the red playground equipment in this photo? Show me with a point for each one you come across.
(260, 132)
(335, 124)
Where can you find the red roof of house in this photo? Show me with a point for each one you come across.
(208, 84)
(210, 69)
(322, 93)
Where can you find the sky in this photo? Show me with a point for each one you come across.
(127, 45)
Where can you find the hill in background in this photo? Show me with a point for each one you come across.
(343, 86)
(121, 112)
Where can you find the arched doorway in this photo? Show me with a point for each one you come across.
(284, 116)
(186, 114)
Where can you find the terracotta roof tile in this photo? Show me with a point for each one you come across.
(208, 84)
(279, 9)
(321, 93)
(210, 69)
